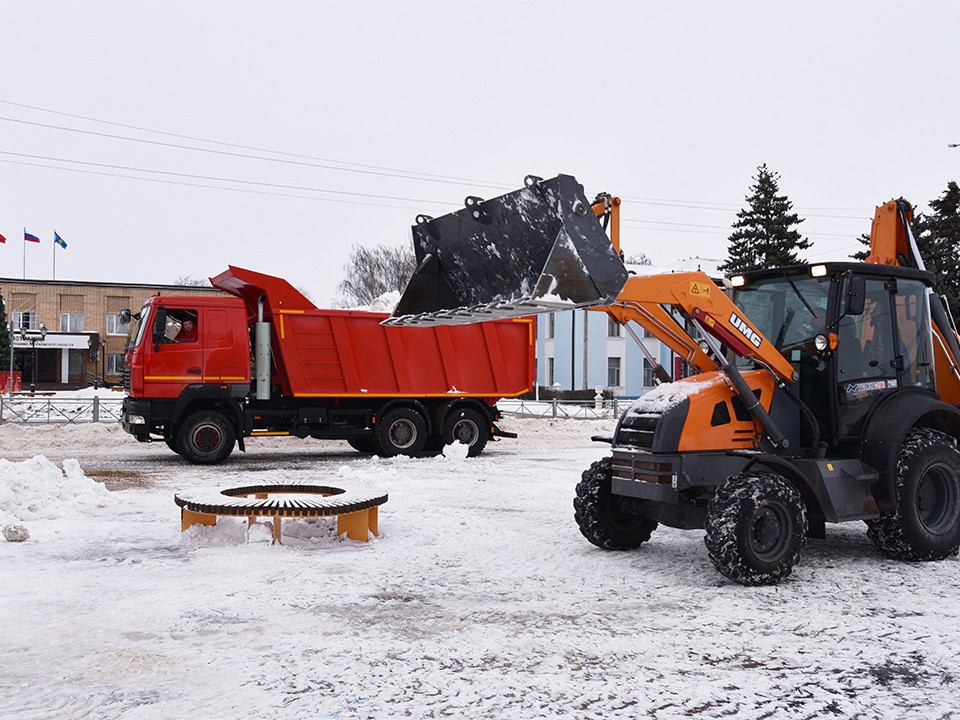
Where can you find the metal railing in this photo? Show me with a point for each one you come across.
(574, 409)
(40, 410)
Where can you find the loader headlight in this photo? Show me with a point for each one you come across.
(826, 342)
(738, 281)
(818, 271)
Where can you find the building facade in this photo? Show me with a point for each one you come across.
(68, 333)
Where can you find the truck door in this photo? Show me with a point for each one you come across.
(177, 358)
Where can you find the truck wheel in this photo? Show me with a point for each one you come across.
(756, 528)
(467, 427)
(926, 523)
(365, 444)
(206, 437)
(402, 431)
(604, 518)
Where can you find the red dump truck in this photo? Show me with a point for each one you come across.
(203, 373)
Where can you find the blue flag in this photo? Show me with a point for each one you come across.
(59, 240)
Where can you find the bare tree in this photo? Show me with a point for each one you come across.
(190, 281)
(371, 272)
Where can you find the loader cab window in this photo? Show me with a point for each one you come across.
(887, 347)
(789, 311)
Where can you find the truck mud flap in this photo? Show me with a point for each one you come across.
(537, 249)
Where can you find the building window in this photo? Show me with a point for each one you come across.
(647, 373)
(71, 322)
(648, 334)
(551, 379)
(613, 372)
(614, 328)
(24, 320)
(551, 326)
(114, 326)
(114, 363)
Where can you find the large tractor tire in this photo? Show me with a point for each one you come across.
(756, 528)
(926, 523)
(401, 431)
(467, 427)
(604, 518)
(206, 437)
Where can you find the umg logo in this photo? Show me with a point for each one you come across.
(748, 332)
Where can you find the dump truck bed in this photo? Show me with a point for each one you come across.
(348, 353)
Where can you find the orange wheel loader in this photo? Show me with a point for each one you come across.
(823, 393)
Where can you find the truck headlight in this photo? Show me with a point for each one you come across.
(136, 420)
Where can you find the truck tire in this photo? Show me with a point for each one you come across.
(206, 437)
(756, 528)
(926, 523)
(603, 518)
(171, 443)
(365, 444)
(468, 427)
(402, 431)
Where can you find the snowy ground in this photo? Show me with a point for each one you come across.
(480, 599)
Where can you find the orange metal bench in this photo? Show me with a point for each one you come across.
(356, 510)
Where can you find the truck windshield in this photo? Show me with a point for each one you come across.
(790, 311)
(142, 328)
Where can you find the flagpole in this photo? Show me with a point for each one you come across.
(54, 255)
(24, 253)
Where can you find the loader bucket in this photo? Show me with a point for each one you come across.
(537, 249)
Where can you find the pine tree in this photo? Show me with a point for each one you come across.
(764, 234)
(938, 239)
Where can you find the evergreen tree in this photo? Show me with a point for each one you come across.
(862, 255)
(764, 234)
(938, 238)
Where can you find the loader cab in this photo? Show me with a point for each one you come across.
(854, 332)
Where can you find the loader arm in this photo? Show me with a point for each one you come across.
(643, 300)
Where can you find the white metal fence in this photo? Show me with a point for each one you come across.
(38, 410)
(575, 409)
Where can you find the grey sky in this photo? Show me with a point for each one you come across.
(659, 102)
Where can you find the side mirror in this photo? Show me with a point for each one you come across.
(159, 328)
(855, 296)
(125, 317)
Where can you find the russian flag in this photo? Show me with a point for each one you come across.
(2, 239)
(28, 237)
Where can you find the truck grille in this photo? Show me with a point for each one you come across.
(126, 378)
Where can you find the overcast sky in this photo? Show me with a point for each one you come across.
(670, 105)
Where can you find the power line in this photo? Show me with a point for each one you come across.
(255, 148)
(214, 178)
(225, 152)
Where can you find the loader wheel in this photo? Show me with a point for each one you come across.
(206, 437)
(756, 528)
(926, 523)
(468, 427)
(366, 444)
(402, 431)
(605, 519)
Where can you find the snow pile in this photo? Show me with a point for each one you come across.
(37, 489)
